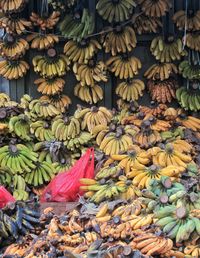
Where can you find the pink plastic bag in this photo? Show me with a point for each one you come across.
(65, 186)
(5, 197)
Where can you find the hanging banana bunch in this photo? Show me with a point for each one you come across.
(14, 24)
(145, 24)
(13, 70)
(161, 71)
(90, 73)
(42, 41)
(120, 40)
(189, 71)
(81, 52)
(189, 21)
(115, 11)
(130, 90)
(41, 130)
(167, 51)
(13, 49)
(45, 23)
(124, 66)
(77, 26)
(50, 86)
(192, 41)
(155, 8)
(51, 65)
(60, 101)
(88, 94)
(12, 6)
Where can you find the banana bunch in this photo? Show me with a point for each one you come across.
(125, 105)
(15, 25)
(192, 41)
(19, 193)
(108, 171)
(147, 137)
(154, 110)
(190, 122)
(13, 70)
(149, 244)
(115, 11)
(120, 140)
(173, 134)
(188, 99)
(144, 24)
(189, 21)
(161, 71)
(133, 158)
(66, 128)
(11, 6)
(162, 91)
(120, 40)
(141, 177)
(124, 66)
(155, 8)
(3, 128)
(42, 41)
(168, 51)
(50, 67)
(81, 52)
(60, 101)
(176, 222)
(44, 109)
(77, 26)
(50, 86)
(182, 146)
(172, 155)
(13, 49)
(43, 22)
(93, 116)
(83, 139)
(189, 71)
(123, 211)
(18, 158)
(25, 101)
(130, 90)
(20, 125)
(90, 73)
(91, 95)
(41, 174)
(192, 251)
(170, 113)
(41, 130)
(17, 220)
(66, 163)
(6, 176)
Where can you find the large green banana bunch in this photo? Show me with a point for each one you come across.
(77, 26)
(20, 125)
(189, 71)
(66, 128)
(42, 130)
(115, 11)
(188, 99)
(43, 173)
(18, 158)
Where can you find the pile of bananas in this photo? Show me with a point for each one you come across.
(13, 49)
(17, 219)
(42, 41)
(189, 71)
(120, 40)
(167, 51)
(43, 22)
(124, 66)
(161, 71)
(48, 66)
(163, 91)
(77, 26)
(188, 99)
(189, 21)
(130, 90)
(145, 24)
(155, 8)
(91, 73)
(13, 70)
(115, 11)
(81, 52)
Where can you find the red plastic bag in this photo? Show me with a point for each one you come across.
(65, 186)
(5, 197)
